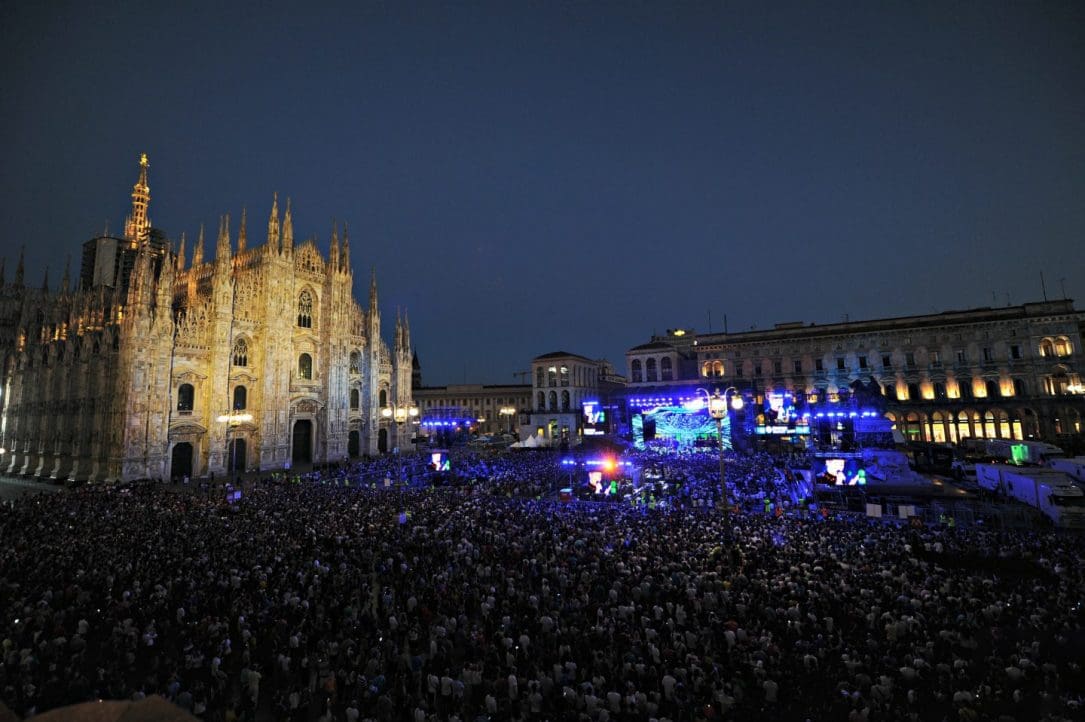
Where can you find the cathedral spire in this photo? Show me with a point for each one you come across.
(373, 290)
(181, 254)
(45, 281)
(345, 259)
(19, 268)
(406, 331)
(273, 224)
(138, 225)
(197, 252)
(222, 248)
(241, 239)
(333, 253)
(66, 282)
(288, 230)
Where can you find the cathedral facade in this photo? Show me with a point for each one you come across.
(258, 359)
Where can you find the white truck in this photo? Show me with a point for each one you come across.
(1050, 491)
(1074, 468)
(1013, 450)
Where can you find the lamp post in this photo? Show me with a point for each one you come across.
(718, 405)
(508, 412)
(232, 421)
(399, 414)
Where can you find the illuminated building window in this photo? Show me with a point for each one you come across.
(1063, 347)
(564, 375)
(241, 352)
(305, 310)
(552, 376)
(305, 366)
(241, 397)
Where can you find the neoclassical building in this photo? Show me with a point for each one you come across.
(259, 358)
(1012, 372)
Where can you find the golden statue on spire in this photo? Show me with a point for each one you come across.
(143, 160)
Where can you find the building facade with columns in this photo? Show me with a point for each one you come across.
(258, 359)
(1012, 372)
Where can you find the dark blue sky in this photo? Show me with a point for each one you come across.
(528, 177)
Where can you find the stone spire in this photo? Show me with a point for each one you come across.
(181, 254)
(345, 259)
(19, 268)
(273, 236)
(406, 331)
(222, 248)
(65, 283)
(288, 230)
(45, 281)
(241, 239)
(333, 253)
(197, 252)
(138, 225)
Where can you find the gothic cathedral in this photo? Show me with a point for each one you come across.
(258, 359)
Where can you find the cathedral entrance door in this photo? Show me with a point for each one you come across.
(353, 444)
(181, 461)
(382, 441)
(235, 456)
(303, 442)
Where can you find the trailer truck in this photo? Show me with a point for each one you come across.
(1050, 491)
(1074, 468)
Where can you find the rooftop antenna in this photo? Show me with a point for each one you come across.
(1043, 285)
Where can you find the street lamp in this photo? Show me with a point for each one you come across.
(508, 411)
(717, 408)
(399, 414)
(232, 421)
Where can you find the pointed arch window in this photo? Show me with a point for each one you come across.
(241, 398)
(354, 398)
(241, 352)
(383, 398)
(305, 366)
(305, 310)
(355, 362)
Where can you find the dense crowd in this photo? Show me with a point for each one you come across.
(331, 601)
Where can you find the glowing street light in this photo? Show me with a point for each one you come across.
(509, 412)
(718, 406)
(232, 421)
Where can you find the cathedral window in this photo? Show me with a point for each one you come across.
(355, 362)
(305, 366)
(241, 397)
(383, 398)
(241, 352)
(564, 400)
(185, 398)
(354, 398)
(305, 310)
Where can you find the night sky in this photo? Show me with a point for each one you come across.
(533, 177)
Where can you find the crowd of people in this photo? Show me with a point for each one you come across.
(323, 598)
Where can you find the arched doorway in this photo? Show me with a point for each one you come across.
(382, 441)
(181, 460)
(353, 444)
(235, 456)
(303, 442)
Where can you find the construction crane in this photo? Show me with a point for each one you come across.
(522, 375)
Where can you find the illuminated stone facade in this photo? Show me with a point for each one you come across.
(99, 384)
(1013, 372)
